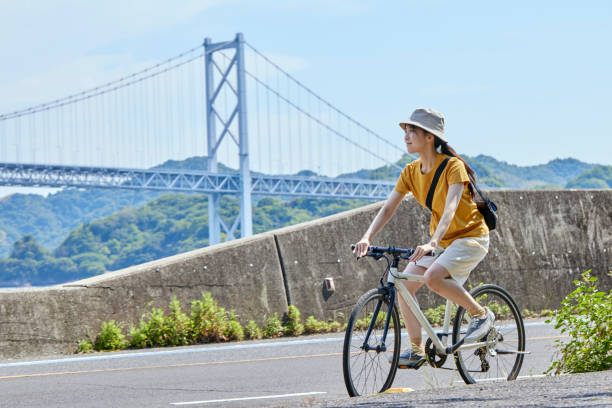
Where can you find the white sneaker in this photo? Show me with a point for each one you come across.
(479, 327)
(409, 359)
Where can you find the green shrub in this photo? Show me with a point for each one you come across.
(586, 315)
(360, 324)
(364, 323)
(177, 325)
(380, 320)
(252, 331)
(273, 328)
(110, 337)
(528, 313)
(292, 322)
(311, 325)
(233, 330)
(156, 329)
(314, 326)
(138, 336)
(435, 315)
(341, 317)
(208, 323)
(85, 346)
(501, 311)
(334, 327)
(546, 313)
(208, 320)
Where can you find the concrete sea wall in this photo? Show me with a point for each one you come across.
(544, 240)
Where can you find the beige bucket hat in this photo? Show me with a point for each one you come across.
(429, 120)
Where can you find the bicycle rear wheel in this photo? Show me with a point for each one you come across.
(503, 358)
(370, 371)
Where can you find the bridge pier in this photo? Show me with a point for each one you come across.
(215, 224)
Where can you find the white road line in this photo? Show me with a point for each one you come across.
(194, 350)
(174, 351)
(301, 394)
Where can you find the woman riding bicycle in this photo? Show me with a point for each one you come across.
(459, 234)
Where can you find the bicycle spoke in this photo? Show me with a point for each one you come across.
(368, 372)
(508, 336)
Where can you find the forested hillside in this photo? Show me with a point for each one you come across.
(168, 225)
(492, 173)
(79, 233)
(554, 174)
(50, 219)
(598, 177)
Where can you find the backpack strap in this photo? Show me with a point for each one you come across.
(434, 182)
(482, 196)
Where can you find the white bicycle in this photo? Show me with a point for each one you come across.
(497, 356)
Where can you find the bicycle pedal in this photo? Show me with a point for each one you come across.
(415, 367)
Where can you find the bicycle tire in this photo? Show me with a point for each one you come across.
(502, 361)
(355, 360)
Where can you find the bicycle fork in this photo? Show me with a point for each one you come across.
(382, 346)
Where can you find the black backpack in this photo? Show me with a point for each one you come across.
(486, 207)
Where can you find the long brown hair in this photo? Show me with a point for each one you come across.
(446, 149)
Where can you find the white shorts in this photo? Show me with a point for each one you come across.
(460, 258)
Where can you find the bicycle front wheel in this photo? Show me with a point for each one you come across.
(369, 366)
(502, 358)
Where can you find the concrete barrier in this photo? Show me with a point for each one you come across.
(544, 240)
(243, 274)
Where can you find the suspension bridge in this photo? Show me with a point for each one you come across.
(189, 124)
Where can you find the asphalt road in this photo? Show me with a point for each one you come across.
(282, 372)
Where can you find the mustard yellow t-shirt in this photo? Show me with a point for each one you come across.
(468, 221)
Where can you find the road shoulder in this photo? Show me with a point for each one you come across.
(590, 389)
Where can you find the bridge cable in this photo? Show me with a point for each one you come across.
(324, 101)
(102, 89)
(321, 123)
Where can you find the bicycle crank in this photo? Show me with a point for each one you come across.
(433, 358)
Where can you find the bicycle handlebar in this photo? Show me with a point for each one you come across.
(391, 250)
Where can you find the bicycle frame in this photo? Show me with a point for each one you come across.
(442, 348)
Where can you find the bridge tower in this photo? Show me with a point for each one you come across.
(239, 114)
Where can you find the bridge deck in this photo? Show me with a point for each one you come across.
(37, 175)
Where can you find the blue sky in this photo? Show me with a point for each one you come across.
(525, 82)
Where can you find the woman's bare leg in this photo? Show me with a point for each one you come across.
(412, 324)
(439, 281)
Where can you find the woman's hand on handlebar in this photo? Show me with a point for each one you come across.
(421, 251)
(361, 248)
